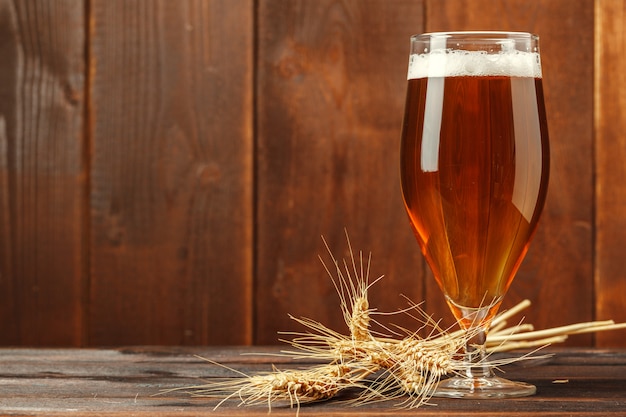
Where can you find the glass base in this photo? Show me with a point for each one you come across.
(486, 387)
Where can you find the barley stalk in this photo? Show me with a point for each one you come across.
(383, 367)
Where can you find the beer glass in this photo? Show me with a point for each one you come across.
(474, 173)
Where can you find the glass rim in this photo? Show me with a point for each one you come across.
(485, 35)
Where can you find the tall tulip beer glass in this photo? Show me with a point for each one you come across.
(474, 171)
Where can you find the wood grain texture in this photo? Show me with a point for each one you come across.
(330, 96)
(167, 167)
(171, 171)
(125, 382)
(610, 151)
(557, 275)
(42, 181)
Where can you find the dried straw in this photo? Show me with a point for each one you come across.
(382, 367)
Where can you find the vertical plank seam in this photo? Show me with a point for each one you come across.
(87, 147)
(598, 51)
(253, 332)
(596, 106)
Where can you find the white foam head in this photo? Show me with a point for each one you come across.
(458, 63)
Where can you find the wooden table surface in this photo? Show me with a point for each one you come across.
(128, 382)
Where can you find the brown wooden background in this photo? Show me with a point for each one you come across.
(167, 167)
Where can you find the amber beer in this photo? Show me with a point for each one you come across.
(474, 169)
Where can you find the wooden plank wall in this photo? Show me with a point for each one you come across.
(610, 162)
(167, 168)
(43, 173)
(170, 140)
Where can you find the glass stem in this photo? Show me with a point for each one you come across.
(475, 355)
